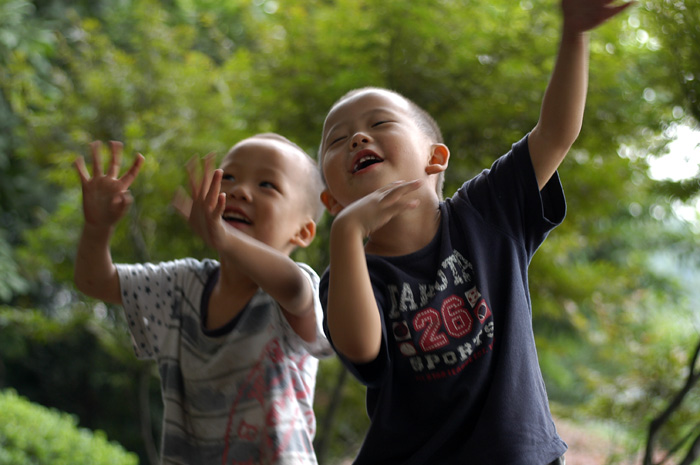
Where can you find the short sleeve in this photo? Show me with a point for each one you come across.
(507, 197)
(149, 295)
(320, 348)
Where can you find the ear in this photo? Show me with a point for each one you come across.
(305, 235)
(439, 156)
(331, 204)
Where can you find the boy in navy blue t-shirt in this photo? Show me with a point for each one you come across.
(427, 301)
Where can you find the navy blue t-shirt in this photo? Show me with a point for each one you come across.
(457, 380)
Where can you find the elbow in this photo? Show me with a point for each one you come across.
(81, 283)
(557, 139)
(106, 290)
(88, 288)
(362, 349)
(359, 356)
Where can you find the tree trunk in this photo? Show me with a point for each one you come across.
(321, 444)
(675, 403)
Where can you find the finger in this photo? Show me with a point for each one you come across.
(126, 199)
(192, 176)
(220, 205)
(82, 170)
(115, 148)
(121, 202)
(214, 188)
(399, 184)
(130, 175)
(400, 188)
(182, 203)
(612, 11)
(209, 159)
(207, 175)
(95, 147)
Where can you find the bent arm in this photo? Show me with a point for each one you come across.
(276, 274)
(352, 315)
(270, 269)
(105, 201)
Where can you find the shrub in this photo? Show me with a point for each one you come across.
(35, 435)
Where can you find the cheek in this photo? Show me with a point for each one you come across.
(332, 173)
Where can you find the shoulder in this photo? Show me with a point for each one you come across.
(310, 272)
(175, 271)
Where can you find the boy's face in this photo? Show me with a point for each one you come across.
(370, 140)
(264, 180)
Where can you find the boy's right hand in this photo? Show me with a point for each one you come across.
(203, 210)
(374, 210)
(583, 15)
(105, 195)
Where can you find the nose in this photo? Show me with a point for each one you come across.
(358, 139)
(239, 191)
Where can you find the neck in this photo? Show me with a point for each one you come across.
(230, 294)
(232, 281)
(407, 232)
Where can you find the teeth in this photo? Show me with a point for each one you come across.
(235, 217)
(368, 157)
(365, 161)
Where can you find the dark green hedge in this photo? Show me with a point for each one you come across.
(34, 435)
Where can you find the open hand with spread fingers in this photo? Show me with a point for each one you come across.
(105, 195)
(205, 204)
(584, 15)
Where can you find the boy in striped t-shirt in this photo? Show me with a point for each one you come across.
(236, 339)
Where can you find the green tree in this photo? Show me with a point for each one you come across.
(26, 48)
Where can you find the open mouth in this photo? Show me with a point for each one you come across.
(235, 217)
(366, 160)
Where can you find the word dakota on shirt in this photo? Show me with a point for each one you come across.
(444, 326)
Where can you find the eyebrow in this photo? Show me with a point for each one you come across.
(365, 114)
(264, 171)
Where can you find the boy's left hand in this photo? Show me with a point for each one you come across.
(584, 15)
(204, 208)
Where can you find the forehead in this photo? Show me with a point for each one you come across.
(364, 103)
(265, 154)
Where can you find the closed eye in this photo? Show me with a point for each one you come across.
(337, 139)
(379, 123)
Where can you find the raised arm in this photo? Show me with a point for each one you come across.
(561, 115)
(272, 270)
(105, 200)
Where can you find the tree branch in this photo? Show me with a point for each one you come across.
(658, 422)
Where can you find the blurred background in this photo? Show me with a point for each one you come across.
(615, 289)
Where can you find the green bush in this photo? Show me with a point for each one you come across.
(36, 435)
(79, 363)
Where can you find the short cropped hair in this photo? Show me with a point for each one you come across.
(313, 180)
(422, 118)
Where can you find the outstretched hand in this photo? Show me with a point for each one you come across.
(205, 205)
(105, 195)
(584, 15)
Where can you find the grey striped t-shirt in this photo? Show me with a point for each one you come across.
(242, 394)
